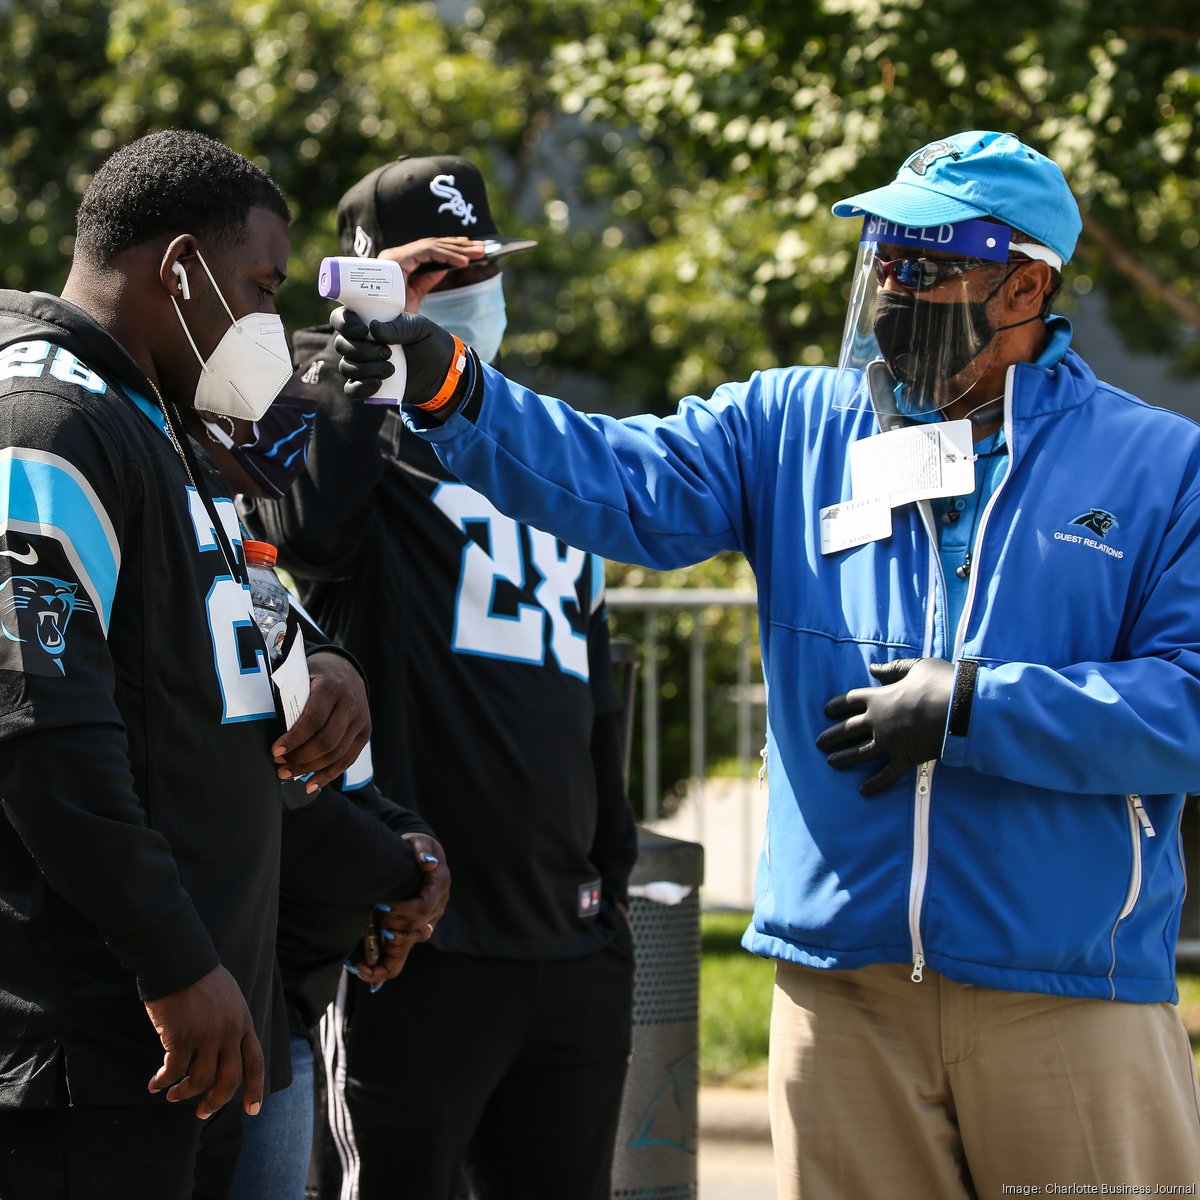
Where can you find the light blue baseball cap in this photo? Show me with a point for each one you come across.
(977, 174)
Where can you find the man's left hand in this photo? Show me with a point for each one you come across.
(904, 721)
(405, 923)
(333, 728)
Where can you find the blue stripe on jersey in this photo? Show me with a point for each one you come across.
(45, 494)
(151, 411)
(360, 772)
(597, 597)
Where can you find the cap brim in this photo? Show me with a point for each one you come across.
(908, 204)
(495, 247)
(498, 247)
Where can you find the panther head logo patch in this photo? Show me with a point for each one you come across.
(1099, 521)
(928, 155)
(35, 610)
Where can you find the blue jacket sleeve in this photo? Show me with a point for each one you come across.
(1127, 726)
(659, 492)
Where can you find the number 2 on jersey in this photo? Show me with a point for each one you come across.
(478, 627)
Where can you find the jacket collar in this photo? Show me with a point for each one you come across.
(1058, 380)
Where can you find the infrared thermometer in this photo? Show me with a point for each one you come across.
(374, 289)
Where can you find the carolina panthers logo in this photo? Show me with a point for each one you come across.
(36, 610)
(1098, 521)
(928, 155)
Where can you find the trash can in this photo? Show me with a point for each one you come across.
(659, 1127)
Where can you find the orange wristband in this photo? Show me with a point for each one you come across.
(453, 375)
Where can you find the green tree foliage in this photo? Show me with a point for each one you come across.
(317, 93)
(734, 126)
(683, 198)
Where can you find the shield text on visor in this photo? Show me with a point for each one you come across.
(915, 304)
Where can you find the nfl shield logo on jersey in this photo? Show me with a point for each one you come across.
(589, 898)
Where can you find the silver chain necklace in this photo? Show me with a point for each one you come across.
(162, 404)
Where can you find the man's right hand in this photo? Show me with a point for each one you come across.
(435, 256)
(209, 1045)
(428, 349)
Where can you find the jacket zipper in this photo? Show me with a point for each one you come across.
(1139, 811)
(960, 633)
(1139, 827)
(916, 886)
(923, 794)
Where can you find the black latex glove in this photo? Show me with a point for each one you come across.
(904, 721)
(428, 348)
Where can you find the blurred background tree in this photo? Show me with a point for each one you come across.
(676, 158)
(317, 93)
(734, 126)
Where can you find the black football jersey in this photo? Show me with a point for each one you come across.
(139, 839)
(485, 643)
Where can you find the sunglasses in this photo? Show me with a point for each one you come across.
(920, 274)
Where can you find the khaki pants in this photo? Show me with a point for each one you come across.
(881, 1087)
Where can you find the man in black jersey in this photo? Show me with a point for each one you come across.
(350, 859)
(503, 1045)
(140, 752)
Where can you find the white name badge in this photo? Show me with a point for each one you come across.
(916, 463)
(854, 523)
(290, 675)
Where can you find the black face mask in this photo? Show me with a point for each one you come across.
(951, 336)
(279, 450)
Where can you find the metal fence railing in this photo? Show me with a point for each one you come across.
(661, 609)
(702, 645)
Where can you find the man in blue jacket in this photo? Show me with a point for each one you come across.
(977, 589)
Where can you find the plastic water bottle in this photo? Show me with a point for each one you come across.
(268, 597)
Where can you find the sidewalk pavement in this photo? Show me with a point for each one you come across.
(735, 1145)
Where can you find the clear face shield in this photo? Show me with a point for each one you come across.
(917, 320)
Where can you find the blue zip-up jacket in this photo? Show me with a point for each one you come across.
(1042, 852)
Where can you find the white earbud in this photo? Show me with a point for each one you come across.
(178, 270)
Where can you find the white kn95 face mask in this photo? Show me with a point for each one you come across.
(249, 366)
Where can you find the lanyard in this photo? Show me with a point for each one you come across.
(178, 437)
